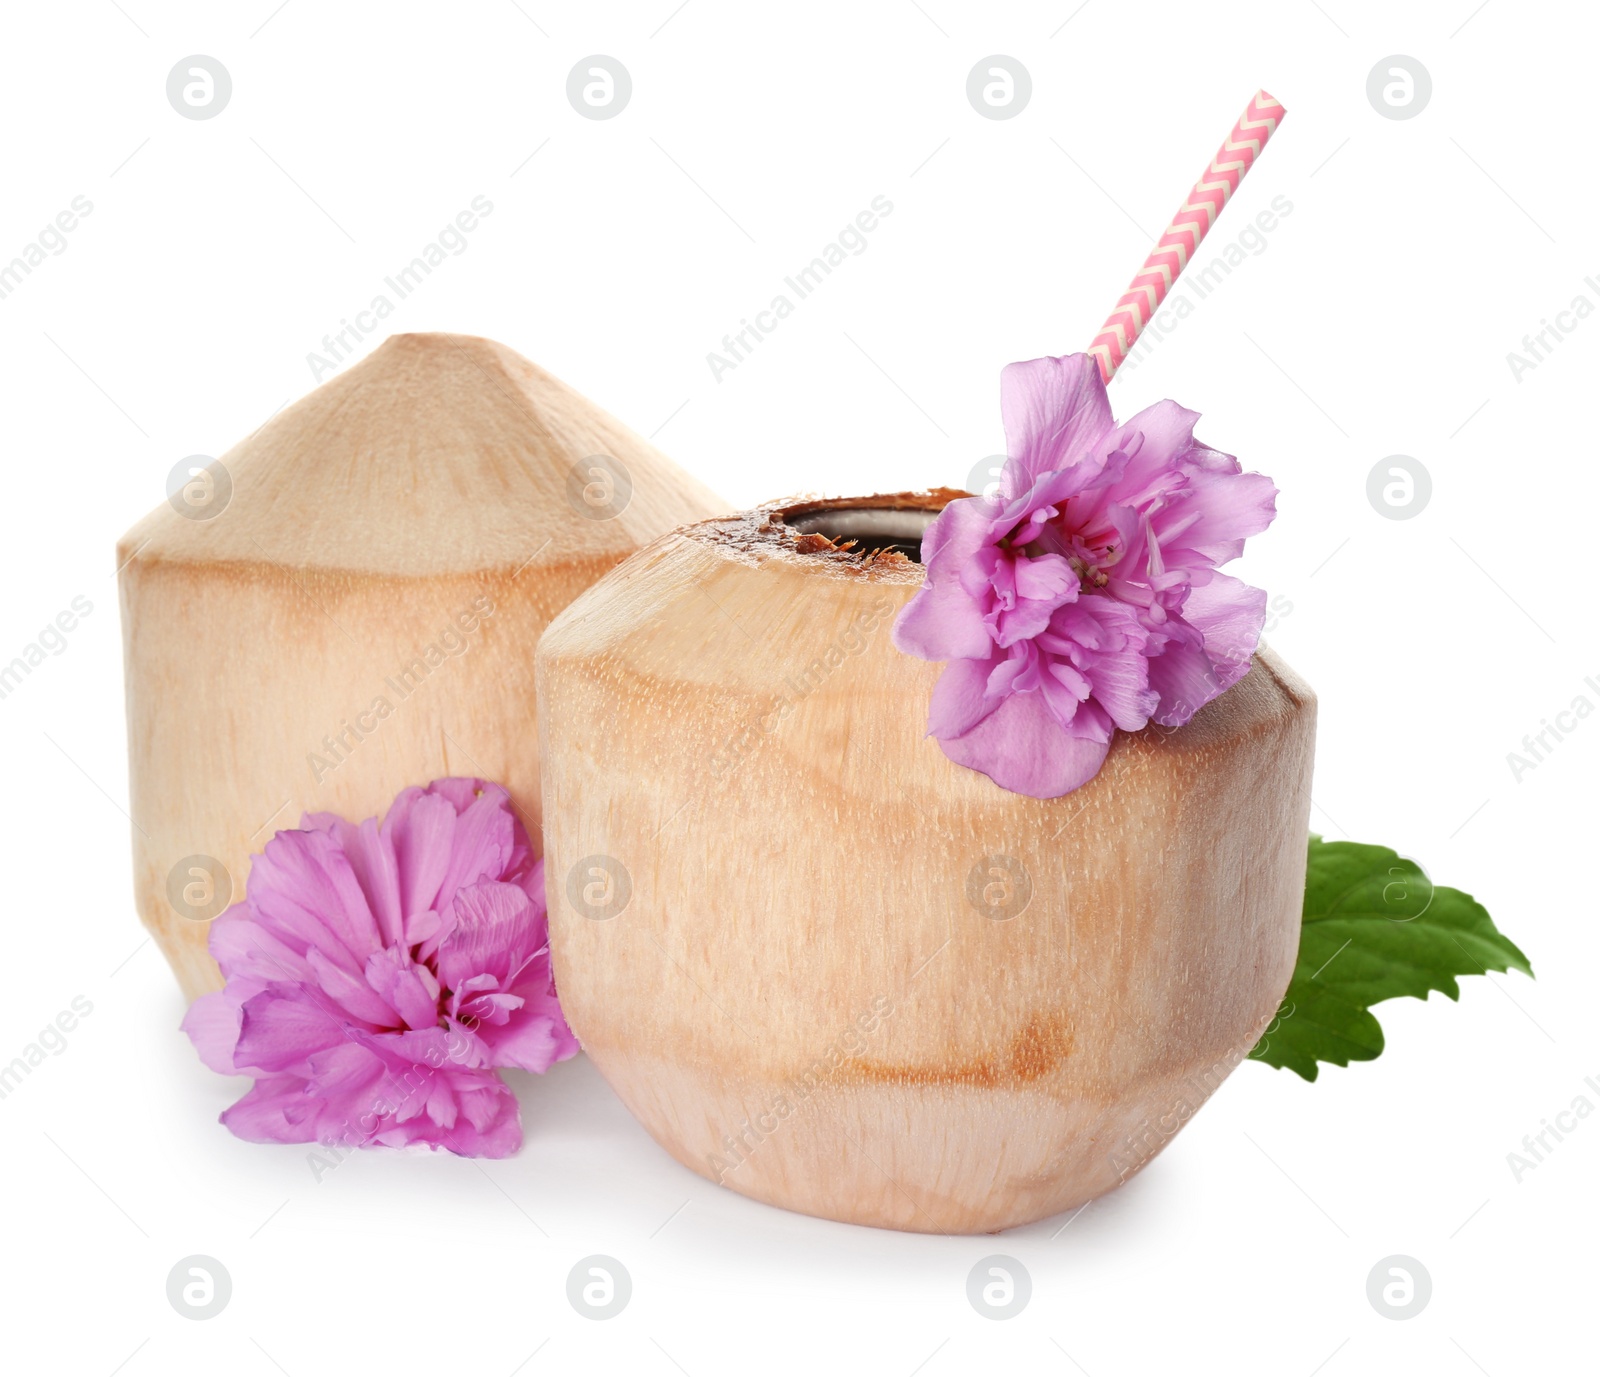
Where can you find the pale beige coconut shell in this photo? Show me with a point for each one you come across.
(814, 993)
(404, 534)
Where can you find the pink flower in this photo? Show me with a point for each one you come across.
(377, 976)
(1085, 595)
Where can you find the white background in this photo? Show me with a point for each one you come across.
(1377, 321)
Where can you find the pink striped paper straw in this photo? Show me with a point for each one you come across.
(1197, 214)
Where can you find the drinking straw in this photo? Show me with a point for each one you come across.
(1189, 226)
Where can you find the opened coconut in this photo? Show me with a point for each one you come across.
(831, 969)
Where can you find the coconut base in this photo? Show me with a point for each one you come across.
(1041, 1154)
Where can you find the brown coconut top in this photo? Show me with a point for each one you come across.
(436, 454)
(875, 537)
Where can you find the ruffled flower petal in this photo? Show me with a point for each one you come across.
(280, 1032)
(1021, 748)
(421, 827)
(274, 1110)
(942, 622)
(960, 698)
(1054, 411)
(1159, 433)
(212, 1024)
(496, 930)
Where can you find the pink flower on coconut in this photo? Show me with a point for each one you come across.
(378, 975)
(1084, 596)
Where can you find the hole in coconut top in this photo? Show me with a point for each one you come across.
(872, 528)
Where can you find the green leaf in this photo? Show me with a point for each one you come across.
(1374, 928)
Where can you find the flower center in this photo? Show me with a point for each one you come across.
(1088, 563)
(1091, 576)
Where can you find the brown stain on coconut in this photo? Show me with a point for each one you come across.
(1042, 1044)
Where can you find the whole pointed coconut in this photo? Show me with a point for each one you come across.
(830, 968)
(347, 602)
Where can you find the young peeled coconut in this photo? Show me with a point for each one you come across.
(833, 970)
(346, 603)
